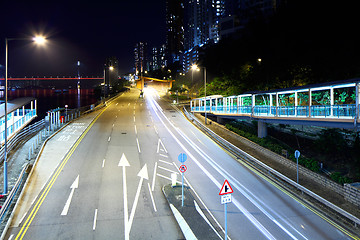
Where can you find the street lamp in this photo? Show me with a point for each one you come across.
(38, 40)
(194, 67)
(110, 68)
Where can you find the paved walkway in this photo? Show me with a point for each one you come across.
(54, 151)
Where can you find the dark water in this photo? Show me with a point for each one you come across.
(61, 99)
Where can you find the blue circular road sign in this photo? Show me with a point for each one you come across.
(297, 154)
(182, 157)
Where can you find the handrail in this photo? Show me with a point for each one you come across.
(12, 194)
(240, 153)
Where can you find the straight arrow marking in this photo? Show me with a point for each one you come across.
(124, 163)
(67, 204)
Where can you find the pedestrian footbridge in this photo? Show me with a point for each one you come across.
(332, 104)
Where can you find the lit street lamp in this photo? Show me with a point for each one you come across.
(105, 88)
(194, 67)
(38, 40)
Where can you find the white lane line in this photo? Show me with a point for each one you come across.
(129, 104)
(165, 162)
(22, 219)
(134, 118)
(113, 125)
(153, 181)
(109, 138)
(138, 145)
(162, 155)
(167, 170)
(103, 163)
(135, 130)
(152, 198)
(249, 216)
(95, 217)
(156, 130)
(11, 236)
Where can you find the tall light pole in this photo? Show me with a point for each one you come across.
(194, 67)
(110, 68)
(38, 40)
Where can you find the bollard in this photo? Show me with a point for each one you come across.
(173, 179)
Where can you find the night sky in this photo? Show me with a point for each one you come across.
(89, 31)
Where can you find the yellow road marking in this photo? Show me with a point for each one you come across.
(35, 209)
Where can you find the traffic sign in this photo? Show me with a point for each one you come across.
(182, 157)
(297, 154)
(182, 168)
(226, 199)
(226, 188)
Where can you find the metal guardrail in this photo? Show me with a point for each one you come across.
(12, 193)
(25, 133)
(250, 159)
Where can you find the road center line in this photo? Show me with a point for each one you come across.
(138, 145)
(103, 163)
(135, 130)
(95, 217)
(109, 139)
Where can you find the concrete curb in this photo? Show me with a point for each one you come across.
(185, 228)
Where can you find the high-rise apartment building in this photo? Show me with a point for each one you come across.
(141, 57)
(175, 29)
(158, 57)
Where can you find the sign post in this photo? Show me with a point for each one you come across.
(182, 158)
(226, 198)
(297, 155)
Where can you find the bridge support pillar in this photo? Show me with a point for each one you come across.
(219, 120)
(262, 129)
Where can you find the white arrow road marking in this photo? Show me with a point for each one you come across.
(67, 204)
(142, 174)
(124, 163)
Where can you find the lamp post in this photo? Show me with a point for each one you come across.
(195, 67)
(38, 40)
(110, 68)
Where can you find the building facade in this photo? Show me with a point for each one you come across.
(141, 58)
(174, 30)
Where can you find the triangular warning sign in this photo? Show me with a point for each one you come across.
(226, 188)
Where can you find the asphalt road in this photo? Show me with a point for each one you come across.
(109, 186)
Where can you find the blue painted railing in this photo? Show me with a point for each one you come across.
(327, 111)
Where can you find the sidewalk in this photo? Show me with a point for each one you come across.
(54, 151)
